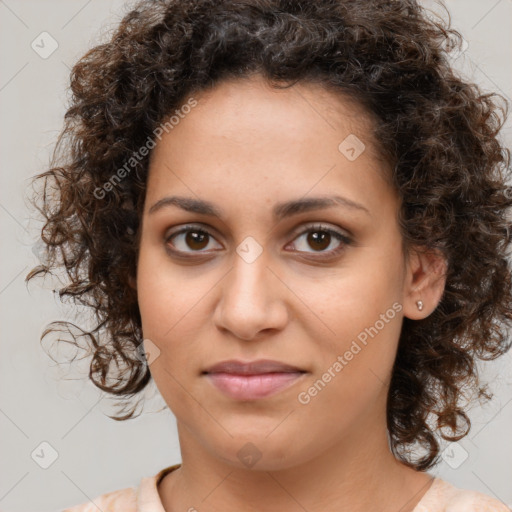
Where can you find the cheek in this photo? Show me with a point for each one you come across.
(359, 318)
(169, 314)
(354, 365)
(172, 308)
(164, 297)
(348, 301)
(170, 319)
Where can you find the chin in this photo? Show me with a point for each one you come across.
(261, 451)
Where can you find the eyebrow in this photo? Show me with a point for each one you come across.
(280, 210)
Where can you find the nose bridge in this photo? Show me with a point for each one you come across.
(251, 297)
(250, 273)
(248, 281)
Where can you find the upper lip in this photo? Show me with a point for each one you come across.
(252, 367)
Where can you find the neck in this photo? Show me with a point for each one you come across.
(358, 473)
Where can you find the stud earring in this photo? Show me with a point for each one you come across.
(419, 303)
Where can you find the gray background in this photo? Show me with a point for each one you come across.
(42, 402)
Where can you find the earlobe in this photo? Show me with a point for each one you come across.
(424, 283)
(132, 282)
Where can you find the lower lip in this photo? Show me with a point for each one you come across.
(251, 387)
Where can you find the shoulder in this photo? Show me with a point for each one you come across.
(122, 500)
(464, 500)
(130, 499)
(445, 497)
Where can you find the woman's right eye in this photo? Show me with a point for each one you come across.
(189, 237)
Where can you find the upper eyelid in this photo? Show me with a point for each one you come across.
(300, 230)
(321, 226)
(190, 227)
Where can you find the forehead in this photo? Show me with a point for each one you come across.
(298, 110)
(246, 134)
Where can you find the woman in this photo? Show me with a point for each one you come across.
(292, 216)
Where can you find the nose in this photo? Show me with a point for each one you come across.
(252, 300)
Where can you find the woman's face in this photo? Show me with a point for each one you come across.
(267, 281)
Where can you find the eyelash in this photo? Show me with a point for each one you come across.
(341, 237)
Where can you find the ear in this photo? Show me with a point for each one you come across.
(132, 282)
(425, 280)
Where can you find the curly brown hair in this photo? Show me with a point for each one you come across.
(438, 132)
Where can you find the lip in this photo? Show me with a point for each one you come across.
(254, 379)
(257, 367)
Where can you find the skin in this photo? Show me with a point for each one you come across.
(246, 147)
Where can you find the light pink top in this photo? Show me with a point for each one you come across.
(440, 497)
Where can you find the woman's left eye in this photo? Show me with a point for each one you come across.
(321, 237)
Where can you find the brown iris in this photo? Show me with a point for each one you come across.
(196, 239)
(319, 239)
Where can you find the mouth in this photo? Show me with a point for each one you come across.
(257, 367)
(252, 380)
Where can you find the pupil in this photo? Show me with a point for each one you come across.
(319, 240)
(196, 237)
